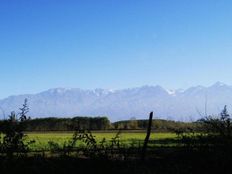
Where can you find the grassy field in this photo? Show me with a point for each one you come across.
(126, 138)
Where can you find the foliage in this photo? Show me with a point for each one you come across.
(103, 123)
(216, 131)
(67, 124)
(13, 140)
(218, 125)
(91, 147)
(158, 125)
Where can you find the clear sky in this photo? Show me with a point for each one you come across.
(113, 44)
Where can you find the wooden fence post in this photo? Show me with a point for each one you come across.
(143, 155)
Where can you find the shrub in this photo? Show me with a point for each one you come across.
(13, 135)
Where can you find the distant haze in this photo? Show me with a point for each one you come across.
(182, 105)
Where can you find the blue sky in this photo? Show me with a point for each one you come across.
(113, 44)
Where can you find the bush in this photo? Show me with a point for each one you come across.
(12, 130)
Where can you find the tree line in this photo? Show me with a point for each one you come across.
(67, 124)
(158, 125)
(101, 123)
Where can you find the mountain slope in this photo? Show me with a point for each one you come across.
(127, 103)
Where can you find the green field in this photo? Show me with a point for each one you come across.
(126, 138)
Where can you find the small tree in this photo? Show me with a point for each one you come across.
(218, 125)
(23, 111)
(12, 129)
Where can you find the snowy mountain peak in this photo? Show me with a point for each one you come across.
(219, 84)
(125, 103)
(100, 91)
(58, 90)
(171, 92)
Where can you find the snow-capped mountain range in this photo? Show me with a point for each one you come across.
(182, 105)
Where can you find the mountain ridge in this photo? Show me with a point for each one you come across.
(179, 105)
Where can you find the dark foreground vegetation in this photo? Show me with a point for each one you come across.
(171, 161)
(206, 149)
